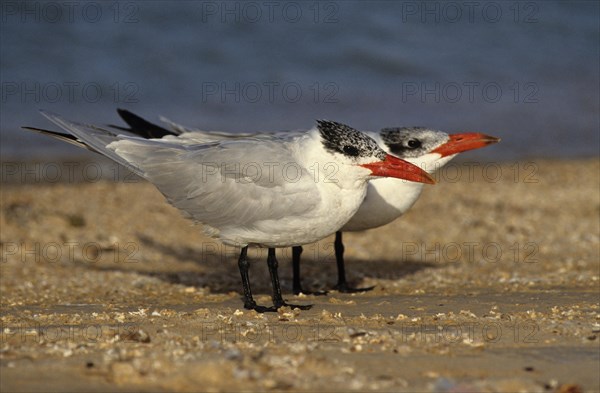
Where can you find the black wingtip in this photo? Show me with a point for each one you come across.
(60, 136)
(44, 131)
(141, 126)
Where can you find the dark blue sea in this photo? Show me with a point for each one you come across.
(526, 71)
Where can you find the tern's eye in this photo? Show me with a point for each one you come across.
(413, 143)
(351, 151)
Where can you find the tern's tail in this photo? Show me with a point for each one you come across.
(60, 136)
(89, 137)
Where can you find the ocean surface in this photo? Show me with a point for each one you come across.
(526, 71)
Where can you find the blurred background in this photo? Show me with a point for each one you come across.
(525, 71)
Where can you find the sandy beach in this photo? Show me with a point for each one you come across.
(489, 284)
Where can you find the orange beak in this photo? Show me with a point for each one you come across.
(395, 167)
(459, 143)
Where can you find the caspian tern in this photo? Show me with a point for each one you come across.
(242, 190)
(387, 198)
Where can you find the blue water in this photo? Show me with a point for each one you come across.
(527, 72)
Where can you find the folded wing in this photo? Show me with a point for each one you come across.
(241, 183)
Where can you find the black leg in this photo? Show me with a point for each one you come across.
(342, 284)
(339, 258)
(249, 302)
(296, 280)
(296, 285)
(244, 265)
(273, 265)
(277, 298)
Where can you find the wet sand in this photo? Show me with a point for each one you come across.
(489, 284)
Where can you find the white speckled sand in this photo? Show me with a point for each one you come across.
(484, 286)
